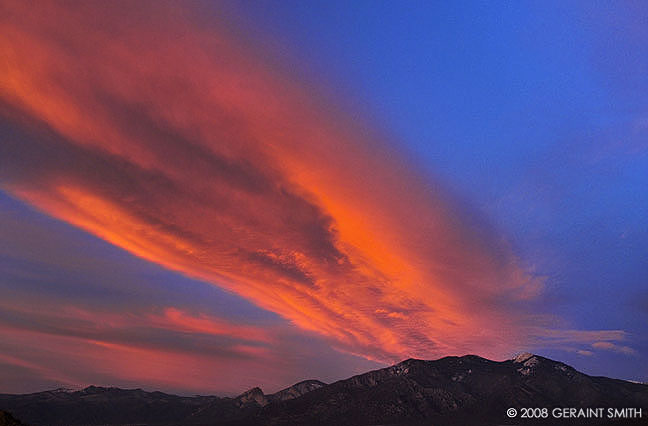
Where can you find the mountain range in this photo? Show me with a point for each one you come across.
(467, 390)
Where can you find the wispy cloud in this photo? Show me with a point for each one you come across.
(177, 143)
(169, 348)
(609, 346)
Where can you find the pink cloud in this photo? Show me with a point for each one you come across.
(609, 346)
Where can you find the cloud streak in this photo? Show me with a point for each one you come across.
(609, 346)
(72, 303)
(177, 142)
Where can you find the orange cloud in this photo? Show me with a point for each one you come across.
(174, 140)
(176, 319)
(141, 329)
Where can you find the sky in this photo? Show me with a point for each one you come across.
(202, 197)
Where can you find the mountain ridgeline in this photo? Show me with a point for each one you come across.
(449, 391)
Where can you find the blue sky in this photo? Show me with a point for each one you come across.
(535, 114)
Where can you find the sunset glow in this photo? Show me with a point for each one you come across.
(171, 136)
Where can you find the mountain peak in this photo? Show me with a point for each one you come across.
(529, 362)
(524, 356)
(252, 396)
(296, 390)
(93, 389)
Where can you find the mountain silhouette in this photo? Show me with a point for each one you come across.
(467, 390)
